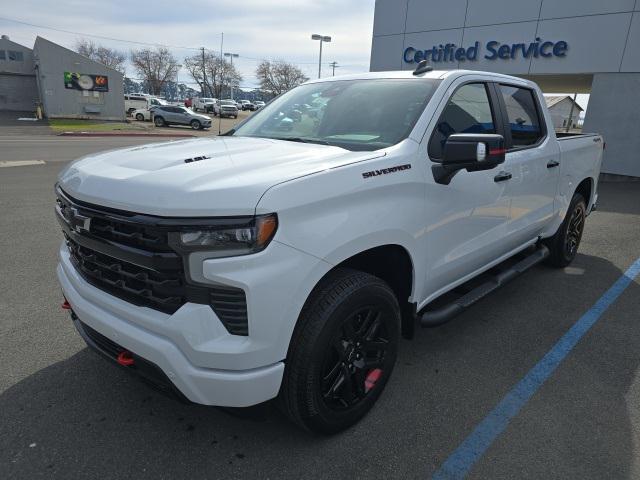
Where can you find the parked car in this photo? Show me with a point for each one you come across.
(204, 104)
(170, 115)
(259, 104)
(135, 102)
(142, 114)
(289, 263)
(226, 108)
(247, 105)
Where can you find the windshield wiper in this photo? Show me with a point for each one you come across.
(228, 133)
(302, 140)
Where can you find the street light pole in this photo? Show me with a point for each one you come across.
(178, 80)
(322, 38)
(231, 55)
(333, 65)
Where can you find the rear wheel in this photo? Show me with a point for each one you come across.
(195, 124)
(158, 121)
(563, 246)
(342, 352)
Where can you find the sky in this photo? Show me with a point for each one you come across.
(254, 29)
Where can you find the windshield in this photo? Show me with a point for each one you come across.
(227, 102)
(352, 114)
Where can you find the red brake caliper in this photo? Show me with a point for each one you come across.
(372, 378)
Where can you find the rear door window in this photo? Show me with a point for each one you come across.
(468, 111)
(523, 115)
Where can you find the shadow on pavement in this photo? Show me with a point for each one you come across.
(85, 417)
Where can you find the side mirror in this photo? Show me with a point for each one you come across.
(471, 152)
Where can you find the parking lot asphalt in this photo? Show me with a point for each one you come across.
(66, 413)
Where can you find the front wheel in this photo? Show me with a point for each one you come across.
(195, 124)
(140, 117)
(342, 352)
(563, 246)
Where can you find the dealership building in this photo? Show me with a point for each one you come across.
(62, 82)
(568, 46)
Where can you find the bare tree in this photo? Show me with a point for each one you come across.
(155, 67)
(279, 76)
(213, 74)
(109, 57)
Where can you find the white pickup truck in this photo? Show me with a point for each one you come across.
(287, 257)
(203, 104)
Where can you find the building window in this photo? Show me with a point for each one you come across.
(15, 56)
(2, 55)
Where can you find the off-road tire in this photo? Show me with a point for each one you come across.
(332, 305)
(563, 246)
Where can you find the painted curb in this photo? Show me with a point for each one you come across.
(104, 134)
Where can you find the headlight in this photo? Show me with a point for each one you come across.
(234, 237)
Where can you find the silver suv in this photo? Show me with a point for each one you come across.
(171, 115)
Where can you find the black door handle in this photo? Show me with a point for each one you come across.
(553, 163)
(502, 176)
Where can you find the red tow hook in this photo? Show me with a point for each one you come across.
(125, 359)
(66, 305)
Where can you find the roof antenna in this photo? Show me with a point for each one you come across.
(422, 67)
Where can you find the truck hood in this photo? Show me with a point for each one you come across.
(200, 177)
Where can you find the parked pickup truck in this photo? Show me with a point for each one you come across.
(203, 104)
(287, 257)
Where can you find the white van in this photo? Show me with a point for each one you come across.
(136, 101)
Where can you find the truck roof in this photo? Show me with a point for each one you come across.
(435, 74)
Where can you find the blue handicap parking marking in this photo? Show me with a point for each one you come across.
(461, 461)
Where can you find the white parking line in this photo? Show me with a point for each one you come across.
(19, 163)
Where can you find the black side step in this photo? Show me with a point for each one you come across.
(434, 318)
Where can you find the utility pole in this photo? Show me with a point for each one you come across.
(231, 55)
(575, 96)
(322, 38)
(333, 65)
(204, 75)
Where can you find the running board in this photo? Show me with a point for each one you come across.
(434, 318)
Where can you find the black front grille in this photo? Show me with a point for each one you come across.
(130, 256)
(138, 285)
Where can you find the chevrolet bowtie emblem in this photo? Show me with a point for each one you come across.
(79, 222)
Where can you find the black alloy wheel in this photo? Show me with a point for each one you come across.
(354, 361)
(563, 246)
(575, 228)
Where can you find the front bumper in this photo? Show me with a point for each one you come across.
(192, 347)
(207, 386)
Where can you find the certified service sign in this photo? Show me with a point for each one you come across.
(82, 81)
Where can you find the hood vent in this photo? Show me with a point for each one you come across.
(196, 159)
